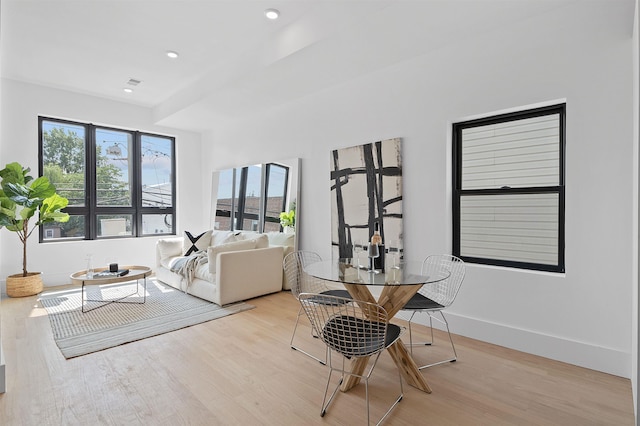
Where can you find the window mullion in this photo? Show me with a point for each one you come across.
(90, 179)
(136, 185)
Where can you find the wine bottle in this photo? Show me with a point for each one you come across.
(376, 238)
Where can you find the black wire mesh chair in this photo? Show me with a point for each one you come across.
(353, 330)
(301, 282)
(433, 298)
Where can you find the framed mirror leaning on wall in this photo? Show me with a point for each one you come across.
(251, 198)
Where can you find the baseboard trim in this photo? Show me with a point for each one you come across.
(607, 360)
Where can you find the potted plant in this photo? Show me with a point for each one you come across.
(288, 221)
(21, 197)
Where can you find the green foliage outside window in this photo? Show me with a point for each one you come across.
(64, 157)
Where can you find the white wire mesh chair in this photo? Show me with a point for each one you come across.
(301, 282)
(353, 330)
(433, 298)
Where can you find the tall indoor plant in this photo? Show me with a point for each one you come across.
(21, 198)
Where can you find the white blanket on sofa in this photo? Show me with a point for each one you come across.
(186, 267)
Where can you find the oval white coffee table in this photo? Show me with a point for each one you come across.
(136, 273)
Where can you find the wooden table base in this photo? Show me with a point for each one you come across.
(392, 299)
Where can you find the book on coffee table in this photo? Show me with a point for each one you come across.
(105, 274)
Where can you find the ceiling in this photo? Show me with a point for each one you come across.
(233, 61)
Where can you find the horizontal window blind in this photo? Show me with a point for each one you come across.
(521, 153)
(519, 227)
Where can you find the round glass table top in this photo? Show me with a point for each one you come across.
(347, 271)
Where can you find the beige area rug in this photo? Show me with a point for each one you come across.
(165, 309)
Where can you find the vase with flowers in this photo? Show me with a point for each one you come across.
(288, 221)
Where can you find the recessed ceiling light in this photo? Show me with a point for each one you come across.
(128, 89)
(272, 13)
(172, 54)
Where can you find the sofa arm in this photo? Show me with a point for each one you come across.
(168, 247)
(246, 274)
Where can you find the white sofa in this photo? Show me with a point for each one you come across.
(237, 265)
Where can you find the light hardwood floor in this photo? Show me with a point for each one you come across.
(240, 370)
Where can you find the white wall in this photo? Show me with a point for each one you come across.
(20, 107)
(577, 53)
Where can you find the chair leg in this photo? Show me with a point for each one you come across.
(392, 405)
(326, 390)
(325, 403)
(295, 348)
(455, 355)
(410, 335)
(411, 344)
(430, 329)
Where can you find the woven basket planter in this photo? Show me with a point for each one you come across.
(19, 286)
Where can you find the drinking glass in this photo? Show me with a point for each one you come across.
(394, 254)
(373, 252)
(358, 249)
(89, 272)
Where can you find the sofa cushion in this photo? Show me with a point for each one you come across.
(222, 237)
(262, 241)
(281, 239)
(202, 272)
(168, 247)
(196, 243)
(245, 235)
(212, 252)
(169, 262)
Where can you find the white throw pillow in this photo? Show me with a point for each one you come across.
(212, 252)
(169, 247)
(261, 240)
(246, 235)
(287, 241)
(281, 239)
(194, 243)
(222, 237)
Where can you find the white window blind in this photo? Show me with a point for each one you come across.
(521, 153)
(520, 228)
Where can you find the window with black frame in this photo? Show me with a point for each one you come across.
(508, 189)
(120, 183)
(251, 198)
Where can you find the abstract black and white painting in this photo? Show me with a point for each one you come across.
(366, 188)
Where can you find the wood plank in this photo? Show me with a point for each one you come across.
(241, 370)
